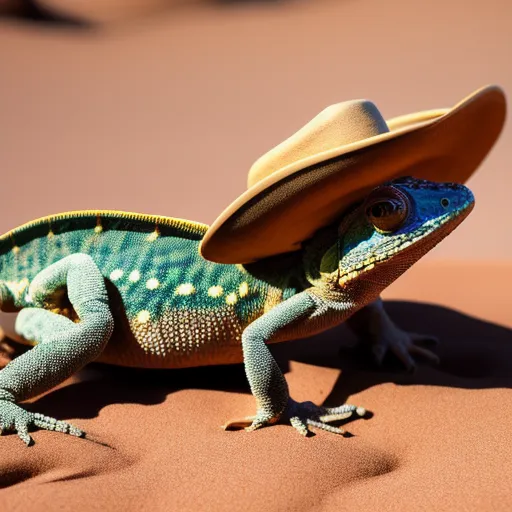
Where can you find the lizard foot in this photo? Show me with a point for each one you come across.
(404, 345)
(15, 419)
(301, 415)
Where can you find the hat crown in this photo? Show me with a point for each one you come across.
(338, 125)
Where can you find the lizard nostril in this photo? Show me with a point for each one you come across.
(445, 202)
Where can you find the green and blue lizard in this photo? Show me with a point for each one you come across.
(133, 290)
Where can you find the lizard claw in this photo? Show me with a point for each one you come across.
(15, 419)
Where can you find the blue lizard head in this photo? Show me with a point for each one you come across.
(398, 223)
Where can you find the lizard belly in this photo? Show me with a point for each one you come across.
(177, 338)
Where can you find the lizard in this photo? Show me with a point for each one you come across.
(133, 290)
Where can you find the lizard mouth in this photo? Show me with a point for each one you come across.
(418, 242)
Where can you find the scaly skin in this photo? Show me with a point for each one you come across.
(173, 308)
(132, 290)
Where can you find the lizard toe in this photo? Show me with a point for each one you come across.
(14, 418)
(239, 423)
(406, 346)
(48, 423)
(303, 415)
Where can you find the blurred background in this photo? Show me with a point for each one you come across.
(161, 106)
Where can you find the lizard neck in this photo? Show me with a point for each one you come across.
(284, 272)
(320, 257)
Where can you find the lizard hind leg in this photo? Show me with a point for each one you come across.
(373, 325)
(63, 346)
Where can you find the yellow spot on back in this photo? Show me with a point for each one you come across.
(18, 287)
(231, 298)
(243, 289)
(50, 234)
(98, 228)
(143, 316)
(22, 285)
(153, 236)
(116, 274)
(185, 289)
(152, 284)
(215, 291)
(134, 276)
(15, 249)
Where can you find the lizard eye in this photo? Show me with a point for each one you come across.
(387, 208)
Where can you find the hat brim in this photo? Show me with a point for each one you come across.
(278, 213)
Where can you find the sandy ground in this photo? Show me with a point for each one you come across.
(162, 108)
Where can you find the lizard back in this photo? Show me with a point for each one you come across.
(172, 307)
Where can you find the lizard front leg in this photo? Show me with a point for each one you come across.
(373, 325)
(63, 345)
(267, 382)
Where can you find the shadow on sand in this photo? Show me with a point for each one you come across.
(29, 11)
(474, 355)
(37, 13)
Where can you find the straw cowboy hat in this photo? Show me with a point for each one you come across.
(307, 181)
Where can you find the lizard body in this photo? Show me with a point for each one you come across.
(133, 290)
(167, 300)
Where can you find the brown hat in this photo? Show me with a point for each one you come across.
(307, 181)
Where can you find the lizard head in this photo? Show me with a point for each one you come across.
(379, 239)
